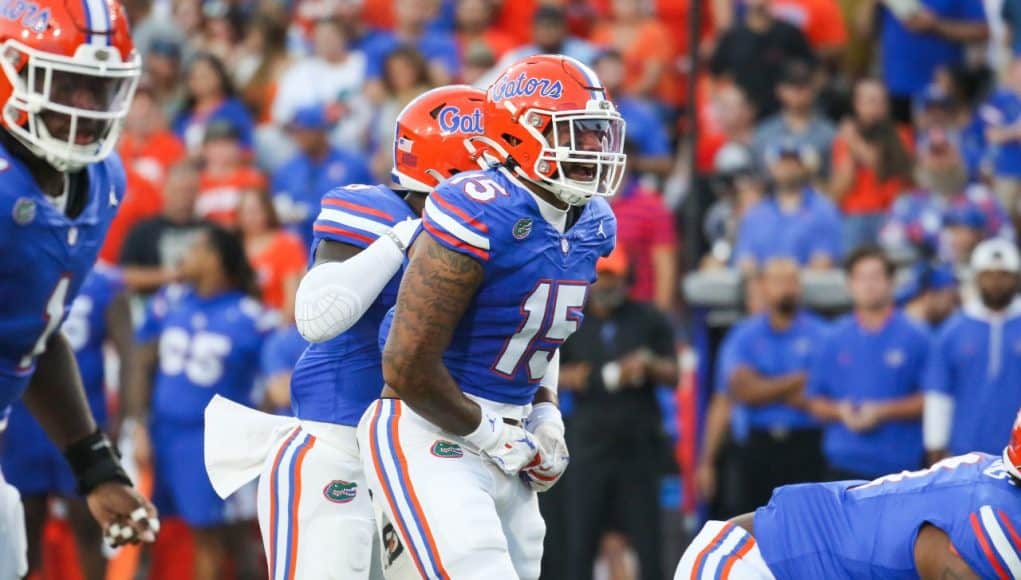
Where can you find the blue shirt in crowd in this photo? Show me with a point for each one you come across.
(976, 359)
(911, 59)
(281, 351)
(299, 186)
(645, 129)
(813, 230)
(190, 127)
(1004, 109)
(756, 345)
(858, 365)
(434, 47)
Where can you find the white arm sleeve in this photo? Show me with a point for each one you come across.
(334, 295)
(551, 380)
(936, 420)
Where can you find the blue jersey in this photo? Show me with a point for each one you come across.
(858, 529)
(335, 381)
(976, 360)
(856, 365)
(44, 259)
(535, 279)
(86, 330)
(207, 346)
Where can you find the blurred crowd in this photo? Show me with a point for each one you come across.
(881, 139)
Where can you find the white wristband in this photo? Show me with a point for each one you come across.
(488, 432)
(545, 413)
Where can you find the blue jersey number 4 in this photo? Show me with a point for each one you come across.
(552, 313)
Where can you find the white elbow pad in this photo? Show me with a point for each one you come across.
(333, 296)
(937, 419)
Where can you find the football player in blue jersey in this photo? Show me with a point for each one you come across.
(958, 519)
(99, 315)
(68, 73)
(464, 435)
(314, 509)
(199, 339)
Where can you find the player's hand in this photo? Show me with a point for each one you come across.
(868, 416)
(921, 21)
(845, 409)
(124, 515)
(509, 447)
(547, 425)
(705, 480)
(632, 368)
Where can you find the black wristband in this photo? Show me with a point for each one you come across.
(94, 462)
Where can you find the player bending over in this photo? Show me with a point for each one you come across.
(495, 284)
(69, 72)
(958, 519)
(314, 511)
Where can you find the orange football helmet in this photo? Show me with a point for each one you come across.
(550, 117)
(435, 134)
(1012, 452)
(69, 72)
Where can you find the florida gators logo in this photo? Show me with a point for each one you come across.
(340, 491)
(508, 88)
(452, 120)
(446, 450)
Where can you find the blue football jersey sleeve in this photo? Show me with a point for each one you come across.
(358, 214)
(989, 542)
(455, 214)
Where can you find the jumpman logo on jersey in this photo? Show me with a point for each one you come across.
(600, 231)
(113, 198)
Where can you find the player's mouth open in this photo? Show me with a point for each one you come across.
(580, 171)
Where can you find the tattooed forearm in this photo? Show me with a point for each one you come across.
(436, 290)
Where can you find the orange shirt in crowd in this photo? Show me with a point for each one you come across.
(142, 200)
(219, 195)
(514, 19)
(652, 42)
(868, 194)
(820, 20)
(152, 157)
(283, 257)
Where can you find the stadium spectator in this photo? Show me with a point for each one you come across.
(737, 186)
(930, 295)
(621, 351)
(821, 21)
(867, 379)
(798, 122)
(211, 99)
(225, 175)
(732, 121)
(277, 256)
(549, 36)
(436, 47)
(280, 353)
(261, 64)
(154, 248)
(162, 72)
(918, 222)
(646, 234)
(198, 339)
(916, 38)
(477, 65)
(871, 163)
(764, 376)
(147, 145)
(333, 74)
(473, 25)
(318, 167)
(1002, 119)
(752, 52)
(794, 220)
(945, 105)
(647, 48)
(648, 139)
(405, 76)
(974, 370)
